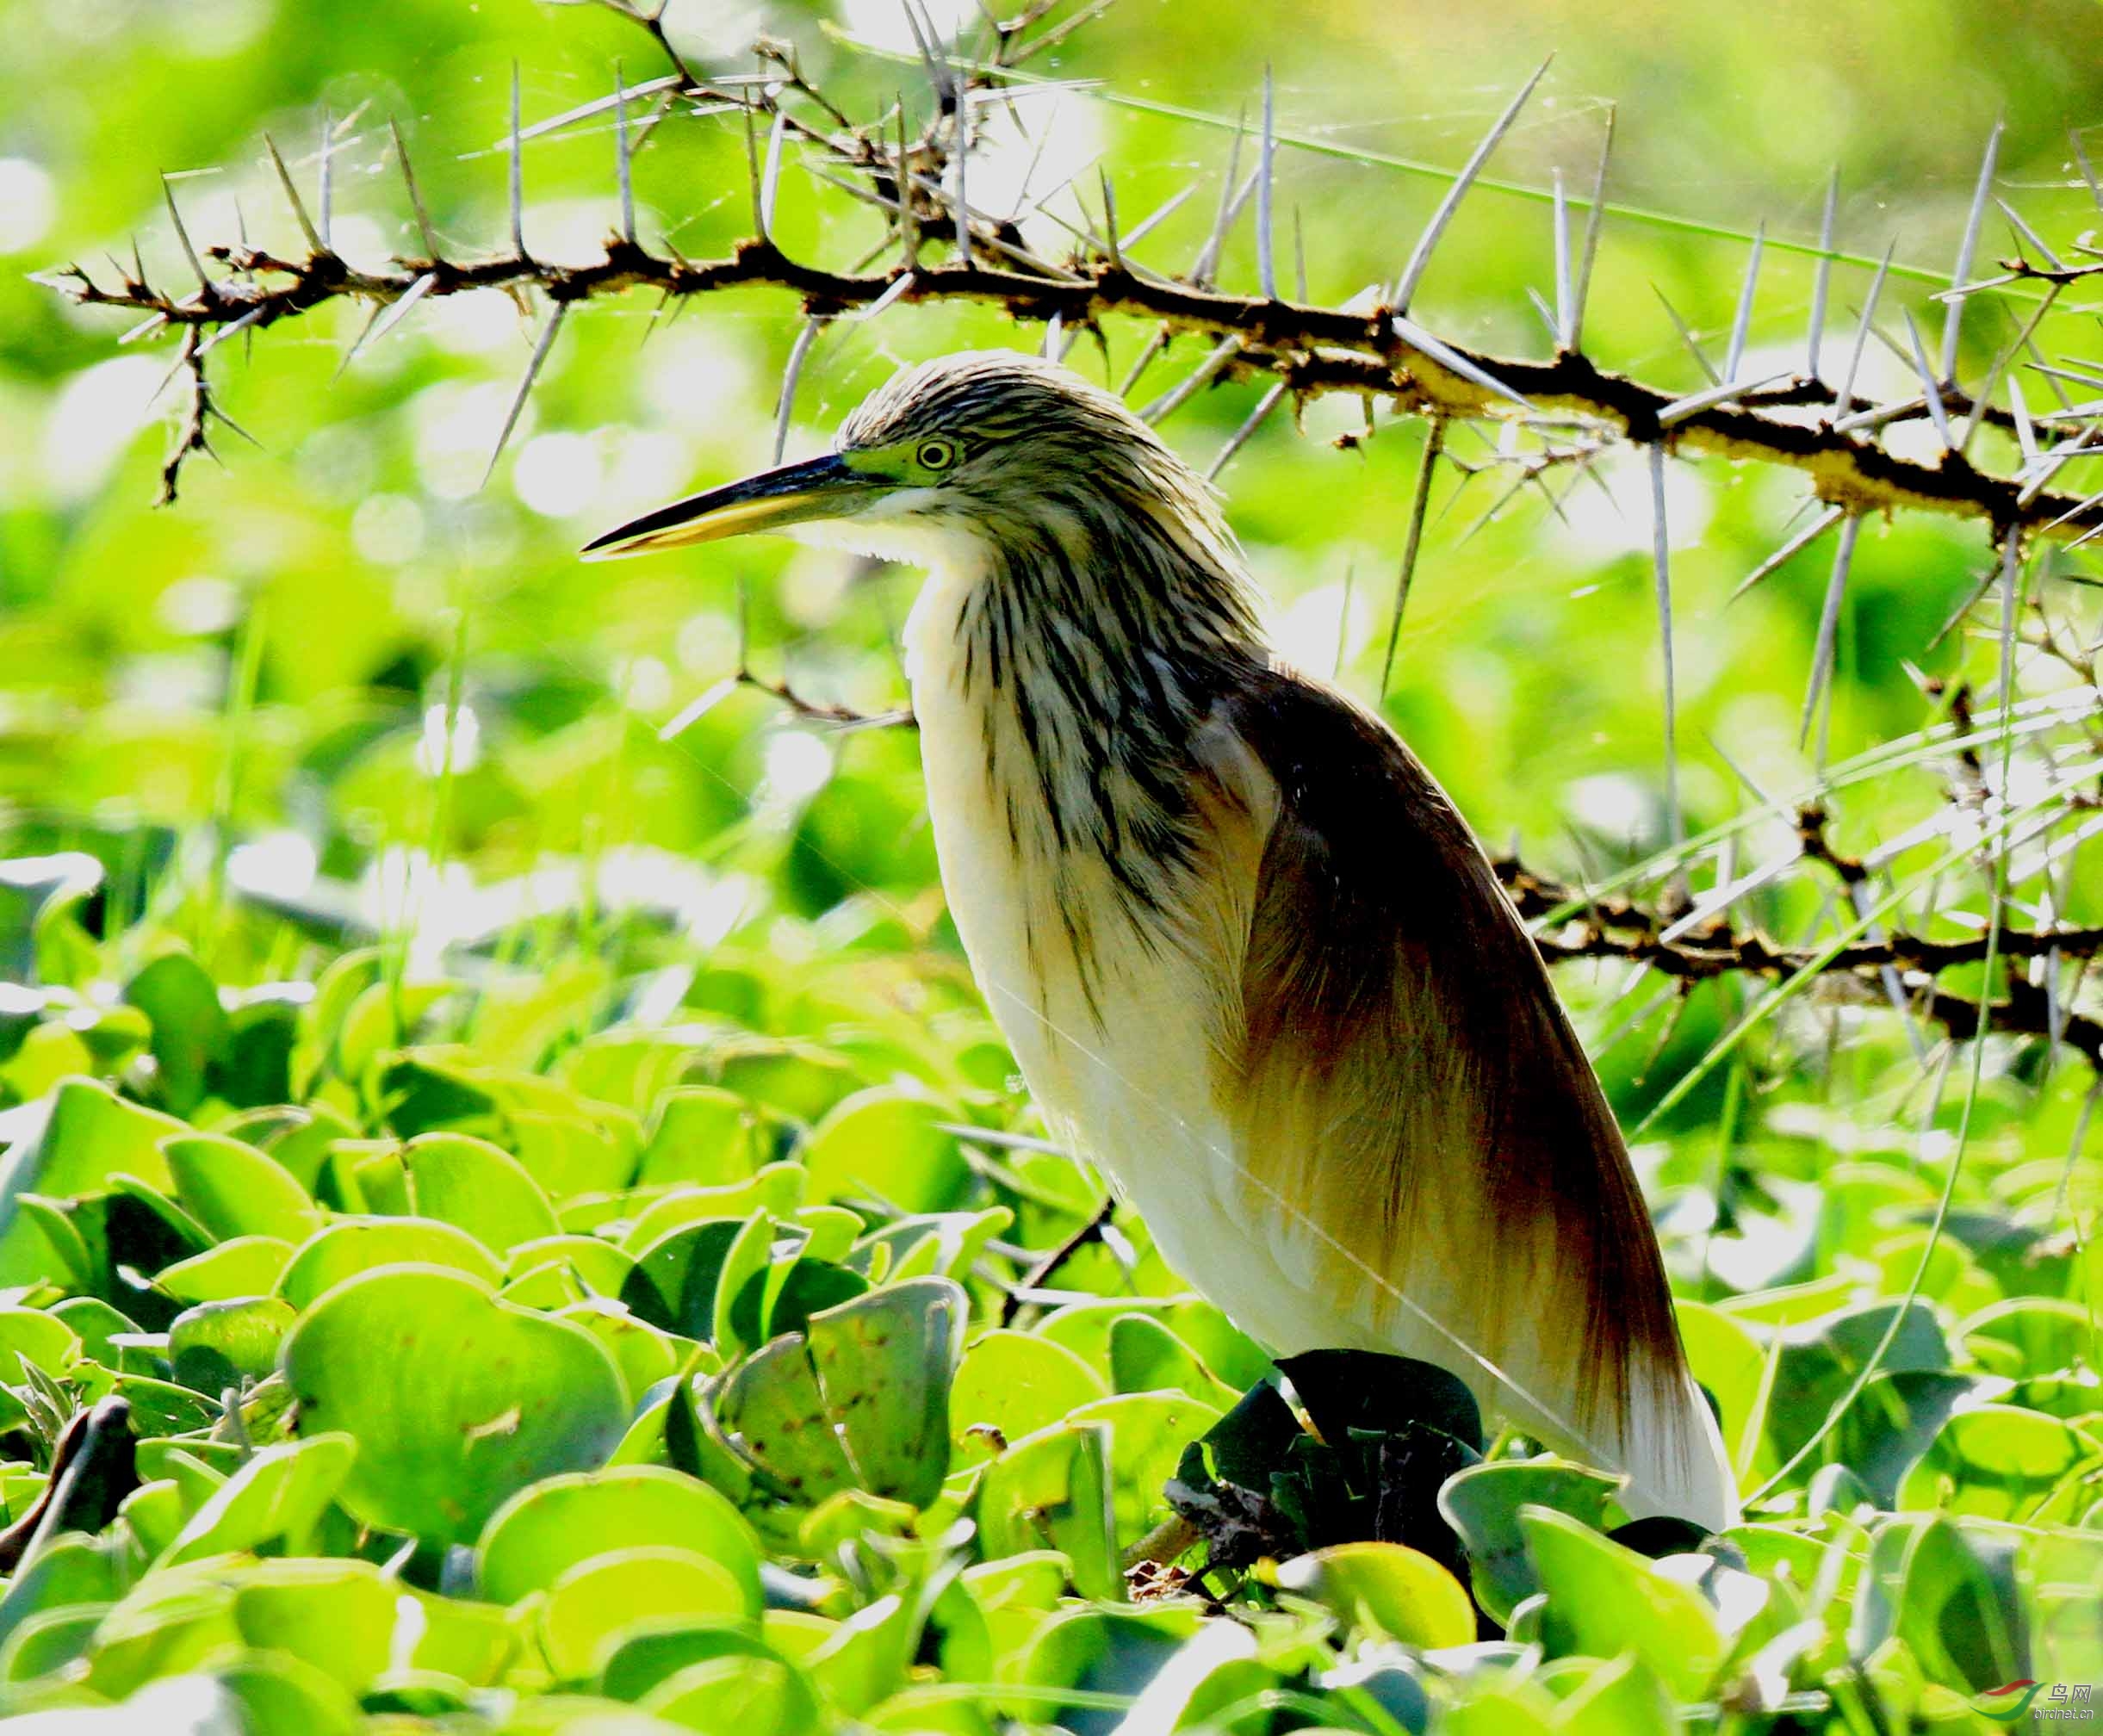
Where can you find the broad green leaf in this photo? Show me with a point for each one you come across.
(1998, 1461)
(88, 1136)
(457, 1401)
(1052, 1490)
(884, 1363)
(1483, 1504)
(338, 1615)
(1149, 1434)
(1385, 1586)
(232, 1189)
(592, 1604)
(546, 1531)
(705, 1136)
(1015, 1383)
(479, 1187)
(353, 1245)
(279, 1494)
(216, 1345)
(246, 1266)
(1604, 1600)
(884, 1142)
(191, 1032)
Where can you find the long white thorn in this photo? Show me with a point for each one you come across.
(1844, 401)
(797, 355)
(1741, 321)
(1266, 265)
(1412, 273)
(1821, 277)
(1929, 388)
(1829, 634)
(1953, 321)
(525, 386)
(517, 178)
(1595, 219)
(1801, 540)
(1661, 563)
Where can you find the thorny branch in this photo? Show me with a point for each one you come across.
(1571, 408)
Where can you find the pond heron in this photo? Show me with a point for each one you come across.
(1247, 953)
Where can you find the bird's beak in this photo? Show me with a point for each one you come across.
(825, 487)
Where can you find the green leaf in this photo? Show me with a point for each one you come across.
(1052, 1490)
(478, 1187)
(1015, 1383)
(191, 1028)
(354, 1245)
(884, 1363)
(1483, 1504)
(246, 1266)
(337, 1615)
(216, 1345)
(1604, 1600)
(1392, 1590)
(280, 1494)
(1149, 1434)
(457, 1401)
(88, 1136)
(232, 1189)
(703, 1135)
(593, 1604)
(544, 1531)
(1998, 1461)
(884, 1143)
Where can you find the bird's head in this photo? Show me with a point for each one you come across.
(977, 445)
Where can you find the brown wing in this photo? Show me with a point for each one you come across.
(1407, 1078)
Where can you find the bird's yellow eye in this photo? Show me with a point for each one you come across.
(935, 454)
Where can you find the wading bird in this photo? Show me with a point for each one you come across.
(1248, 954)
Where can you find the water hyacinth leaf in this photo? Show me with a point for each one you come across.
(191, 1032)
(1149, 1434)
(772, 1412)
(591, 1604)
(1146, 1356)
(930, 1244)
(280, 1493)
(477, 1186)
(650, 1657)
(87, 1137)
(776, 1189)
(1483, 1504)
(1821, 1358)
(886, 1144)
(71, 1570)
(338, 1615)
(353, 1245)
(246, 1266)
(1052, 1490)
(884, 1363)
(216, 1345)
(2000, 1461)
(1622, 1698)
(37, 1337)
(456, 1399)
(233, 1189)
(1114, 1654)
(642, 1354)
(568, 1156)
(673, 1282)
(1957, 1607)
(602, 1267)
(1896, 1418)
(546, 1531)
(741, 1696)
(1397, 1590)
(1603, 1599)
(277, 1695)
(704, 1135)
(1012, 1384)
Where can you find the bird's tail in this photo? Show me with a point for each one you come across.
(1673, 1454)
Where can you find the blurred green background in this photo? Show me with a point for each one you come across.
(359, 569)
